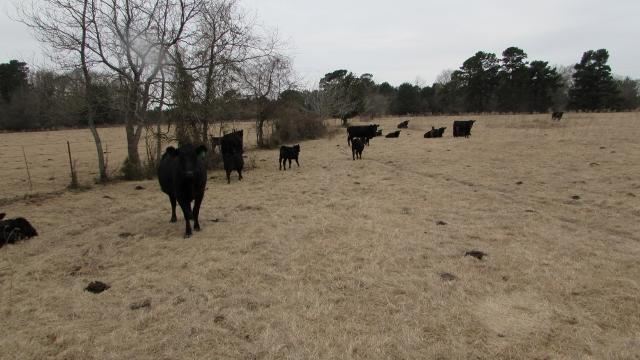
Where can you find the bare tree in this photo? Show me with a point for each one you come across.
(129, 38)
(64, 25)
(265, 78)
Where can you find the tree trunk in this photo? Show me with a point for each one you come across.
(98, 141)
(90, 96)
(159, 136)
(259, 133)
(133, 172)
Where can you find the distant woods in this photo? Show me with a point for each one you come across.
(47, 99)
(487, 83)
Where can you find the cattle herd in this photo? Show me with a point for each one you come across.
(182, 172)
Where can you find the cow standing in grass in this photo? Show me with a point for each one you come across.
(462, 128)
(365, 132)
(182, 174)
(357, 147)
(231, 148)
(288, 153)
(557, 115)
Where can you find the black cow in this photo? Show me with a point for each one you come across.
(288, 153)
(13, 230)
(357, 146)
(394, 134)
(231, 147)
(434, 133)
(557, 115)
(365, 132)
(182, 174)
(404, 125)
(462, 128)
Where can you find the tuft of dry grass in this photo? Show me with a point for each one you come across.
(343, 259)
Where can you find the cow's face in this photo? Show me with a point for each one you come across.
(189, 158)
(296, 148)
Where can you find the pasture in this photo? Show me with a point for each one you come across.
(350, 259)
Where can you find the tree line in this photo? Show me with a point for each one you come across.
(486, 83)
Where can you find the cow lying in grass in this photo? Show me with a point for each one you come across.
(434, 133)
(14, 230)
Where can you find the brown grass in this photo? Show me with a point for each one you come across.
(342, 258)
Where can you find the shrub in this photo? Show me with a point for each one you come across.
(293, 125)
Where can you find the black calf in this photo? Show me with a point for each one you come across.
(357, 147)
(288, 153)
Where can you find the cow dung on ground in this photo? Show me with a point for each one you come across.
(476, 254)
(140, 304)
(575, 197)
(448, 276)
(96, 287)
(139, 187)
(441, 223)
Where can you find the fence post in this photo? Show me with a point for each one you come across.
(74, 177)
(26, 163)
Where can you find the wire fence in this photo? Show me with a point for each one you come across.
(38, 162)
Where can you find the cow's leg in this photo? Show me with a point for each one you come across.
(289, 163)
(280, 164)
(349, 140)
(196, 211)
(228, 176)
(172, 198)
(186, 211)
(297, 162)
(240, 174)
(353, 154)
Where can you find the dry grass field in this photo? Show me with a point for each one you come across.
(342, 259)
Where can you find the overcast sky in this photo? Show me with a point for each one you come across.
(402, 40)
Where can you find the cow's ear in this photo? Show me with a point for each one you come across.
(172, 151)
(201, 151)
